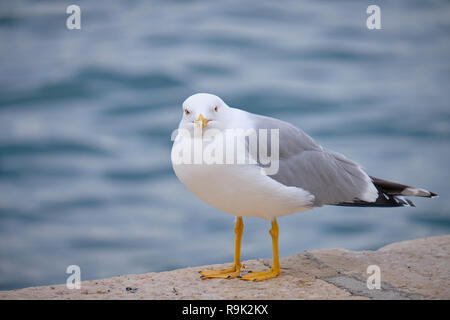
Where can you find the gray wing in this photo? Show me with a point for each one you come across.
(329, 176)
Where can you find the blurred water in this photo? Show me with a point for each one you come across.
(86, 118)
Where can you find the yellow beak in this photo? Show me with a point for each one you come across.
(201, 121)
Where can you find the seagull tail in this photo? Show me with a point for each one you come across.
(390, 194)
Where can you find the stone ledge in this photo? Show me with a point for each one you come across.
(415, 269)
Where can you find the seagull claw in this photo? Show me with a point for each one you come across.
(229, 273)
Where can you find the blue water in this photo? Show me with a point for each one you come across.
(86, 117)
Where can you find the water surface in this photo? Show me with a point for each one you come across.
(86, 118)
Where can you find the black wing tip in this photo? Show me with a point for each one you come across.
(398, 189)
(383, 201)
(409, 203)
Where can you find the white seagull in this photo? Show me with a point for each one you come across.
(308, 176)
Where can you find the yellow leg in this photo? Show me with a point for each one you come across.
(275, 270)
(234, 271)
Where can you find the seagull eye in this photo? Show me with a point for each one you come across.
(187, 112)
(216, 108)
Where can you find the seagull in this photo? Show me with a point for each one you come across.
(307, 175)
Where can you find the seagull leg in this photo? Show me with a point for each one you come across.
(275, 270)
(234, 271)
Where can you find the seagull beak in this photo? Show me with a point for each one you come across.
(201, 121)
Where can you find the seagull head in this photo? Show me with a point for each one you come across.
(206, 111)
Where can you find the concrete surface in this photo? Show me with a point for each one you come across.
(416, 269)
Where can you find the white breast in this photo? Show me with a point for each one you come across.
(242, 190)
